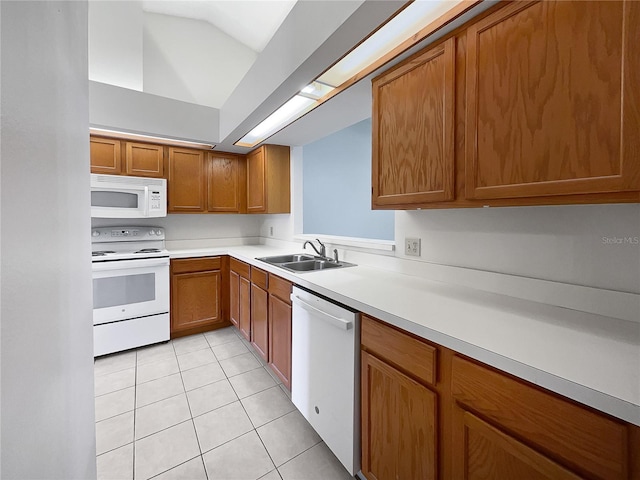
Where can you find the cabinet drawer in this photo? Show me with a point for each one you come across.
(240, 268)
(185, 265)
(280, 288)
(259, 277)
(404, 351)
(575, 435)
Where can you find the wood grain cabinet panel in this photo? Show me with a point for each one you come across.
(268, 180)
(280, 337)
(144, 160)
(234, 297)
(187, 181)
(587, 442)
(105, 155)
(226, 183)
(399, 424)
(260, 321)
(484, 452)
(553, 106)
(196, 299)
(244, 319)
(413, 130)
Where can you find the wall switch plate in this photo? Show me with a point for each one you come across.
(412, 247)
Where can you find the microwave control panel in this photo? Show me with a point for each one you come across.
(155, 198)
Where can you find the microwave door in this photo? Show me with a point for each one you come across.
(118, 203)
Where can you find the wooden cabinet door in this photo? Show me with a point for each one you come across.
(195, 300)
(259, 321)
(187, 180)
(398, 424)
(234, 294)
(144, 160)
(244, 319)
(256, 188)
(413, 130)
(105, 154)
(226, 187)
(280, 339)
(552, 100)
(481, 451)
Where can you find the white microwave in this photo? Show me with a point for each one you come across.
(116, 196)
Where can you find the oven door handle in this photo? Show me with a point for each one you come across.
(129, 264)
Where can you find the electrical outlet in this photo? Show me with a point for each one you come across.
(412, 247)
(271, 231)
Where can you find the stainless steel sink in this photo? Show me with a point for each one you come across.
(286, 258)
(309, 265)
(298, 263)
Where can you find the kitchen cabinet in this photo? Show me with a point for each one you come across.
(187, 181)
(399, 412)
(552, 100)
(240, 296)
(413, 129)
(268, 180)
(144, 160)
(280, 328)
(260, 312)
(197, 295)
(226, 183)
(429, 412)
(105, 155)
(530, 103)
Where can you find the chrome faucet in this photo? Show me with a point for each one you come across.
(323, 250)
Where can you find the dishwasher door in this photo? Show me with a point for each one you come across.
(325, 367)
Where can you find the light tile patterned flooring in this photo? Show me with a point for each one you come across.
(202, 407)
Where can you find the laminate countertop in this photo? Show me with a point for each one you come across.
(589, 358)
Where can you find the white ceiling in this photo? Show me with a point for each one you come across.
(251, 22)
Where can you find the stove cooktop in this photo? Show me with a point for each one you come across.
(127, 243)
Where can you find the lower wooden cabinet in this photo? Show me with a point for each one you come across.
(472, 421)
(196, 295)
(260, 321)
(399, 420)
(280, 328)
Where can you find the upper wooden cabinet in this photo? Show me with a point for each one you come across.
(531, 103)
(553, 107)
(268, 180)
(187, 181)
(413, 130)
(105, 155)
(144, 160)
(226, 185)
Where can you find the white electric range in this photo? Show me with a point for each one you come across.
(130, 288)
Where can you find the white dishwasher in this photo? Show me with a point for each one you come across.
(325, 368)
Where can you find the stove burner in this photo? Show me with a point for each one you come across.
(148, 250)
(101, 253)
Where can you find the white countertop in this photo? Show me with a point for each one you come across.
(592, 359)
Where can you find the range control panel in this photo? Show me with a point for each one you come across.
(124, 234)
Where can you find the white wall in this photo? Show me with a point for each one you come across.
(559, 243)
(191, 60)
(115, 43)
(47, 398)
(138, 112)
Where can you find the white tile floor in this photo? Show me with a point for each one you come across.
(202, 407)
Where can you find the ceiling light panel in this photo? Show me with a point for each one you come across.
(408, 22)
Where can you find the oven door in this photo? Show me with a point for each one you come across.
(124, 289)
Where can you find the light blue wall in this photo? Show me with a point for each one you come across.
(337, 186)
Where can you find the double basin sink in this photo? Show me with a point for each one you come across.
(298, 263)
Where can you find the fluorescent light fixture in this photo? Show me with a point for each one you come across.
(404, 25)
(407, 23)
(287, 113)
(150, 138)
